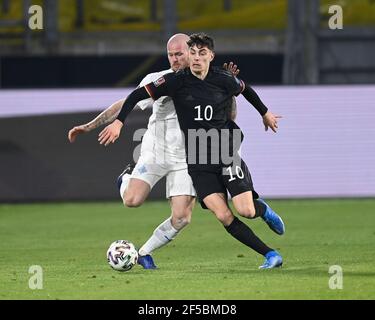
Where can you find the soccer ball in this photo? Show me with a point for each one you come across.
(122, 255)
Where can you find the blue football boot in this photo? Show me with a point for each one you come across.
(146, 262)
(128, 170)
(273, 220)
(273, 260)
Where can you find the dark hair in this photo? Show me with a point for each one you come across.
(201, 40)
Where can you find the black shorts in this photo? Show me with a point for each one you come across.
(218, 179)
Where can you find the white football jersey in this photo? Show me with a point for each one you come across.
(163, 137)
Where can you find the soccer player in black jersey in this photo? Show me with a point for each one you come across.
(202, 97)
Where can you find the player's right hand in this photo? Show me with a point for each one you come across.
(232, 68)
(73, 133)
(110, 133)
(270, 121)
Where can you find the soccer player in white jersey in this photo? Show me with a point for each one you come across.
(162, 154)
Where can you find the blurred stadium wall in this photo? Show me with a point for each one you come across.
(284, 48)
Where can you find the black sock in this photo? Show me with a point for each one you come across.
(260, 208)
(244, 234)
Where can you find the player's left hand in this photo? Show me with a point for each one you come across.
(110, 133)
(270, 121)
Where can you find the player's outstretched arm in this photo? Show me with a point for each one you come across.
(269, 119)
(107, 116)
(112, 132)
(74, 132)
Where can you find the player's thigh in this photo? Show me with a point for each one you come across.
(207, 183)
(144, 176)
(237, 180)
(218, 204)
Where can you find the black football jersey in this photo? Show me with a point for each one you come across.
(201, 104)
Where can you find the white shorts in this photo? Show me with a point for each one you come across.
(178, 180)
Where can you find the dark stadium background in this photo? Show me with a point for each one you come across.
(113, 44)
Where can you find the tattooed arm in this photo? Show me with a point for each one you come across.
(233, 110)
(105, 117)
(233, 68)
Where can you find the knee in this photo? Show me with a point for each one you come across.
(132, 201)
(247, 212)
(181, 219)
(225, 217)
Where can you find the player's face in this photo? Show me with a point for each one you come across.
(200, 59)
(178, 56)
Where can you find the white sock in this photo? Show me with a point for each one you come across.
(162, 235)
(124, 184)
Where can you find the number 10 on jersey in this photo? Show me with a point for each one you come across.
(239, 173)
(207, 113)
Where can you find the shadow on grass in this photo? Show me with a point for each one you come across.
(253, 270)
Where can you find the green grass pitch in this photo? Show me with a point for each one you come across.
(69, 242)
